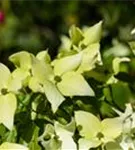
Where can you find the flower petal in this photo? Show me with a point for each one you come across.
(91, 57)
(67, 63)
(93, 34)
(90, 124)
(73, 84)
(4, 76)
(12, 146)
(21, 59)
(65, 136)
(8, 104)
(53, 95)
(112, 127)
(85, 144)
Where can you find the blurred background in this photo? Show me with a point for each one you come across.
(37, 25)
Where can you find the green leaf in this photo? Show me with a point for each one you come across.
(13, 146)
(91, 57)
(67, 63)
(53, 95)
(73, 84)
(33, 145)
(11, 136)
(93, 34)
(118, 50)
(76, 34)
(116, 63)
(113, 146)
(121, 94)
(18, 60)
(8, 105)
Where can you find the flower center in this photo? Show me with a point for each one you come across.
(4, 91)
(99, 135)
(57, 78)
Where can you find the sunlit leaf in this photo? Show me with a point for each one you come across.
(8, 105)
(73, 84)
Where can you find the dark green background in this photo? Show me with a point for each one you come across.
(37, 25)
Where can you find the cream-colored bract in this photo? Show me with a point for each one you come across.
(8, 105)
(95, 132)
(74, 84)
(12, 146)
(67, 63)
(65, 134)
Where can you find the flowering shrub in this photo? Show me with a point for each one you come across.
(81, 100)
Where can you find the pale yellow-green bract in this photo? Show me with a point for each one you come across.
(21, 59)
(74, 84)
(79, 54)
(75, 34)
(90, 57)
(8, 101)
(67, 63)
(65, 134)
(8, 105)
(12, 146)
(95, 132)
(71, 84)
(93, 34)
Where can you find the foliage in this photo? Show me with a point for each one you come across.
(79, 100)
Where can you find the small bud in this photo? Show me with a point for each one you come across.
(2, 16)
